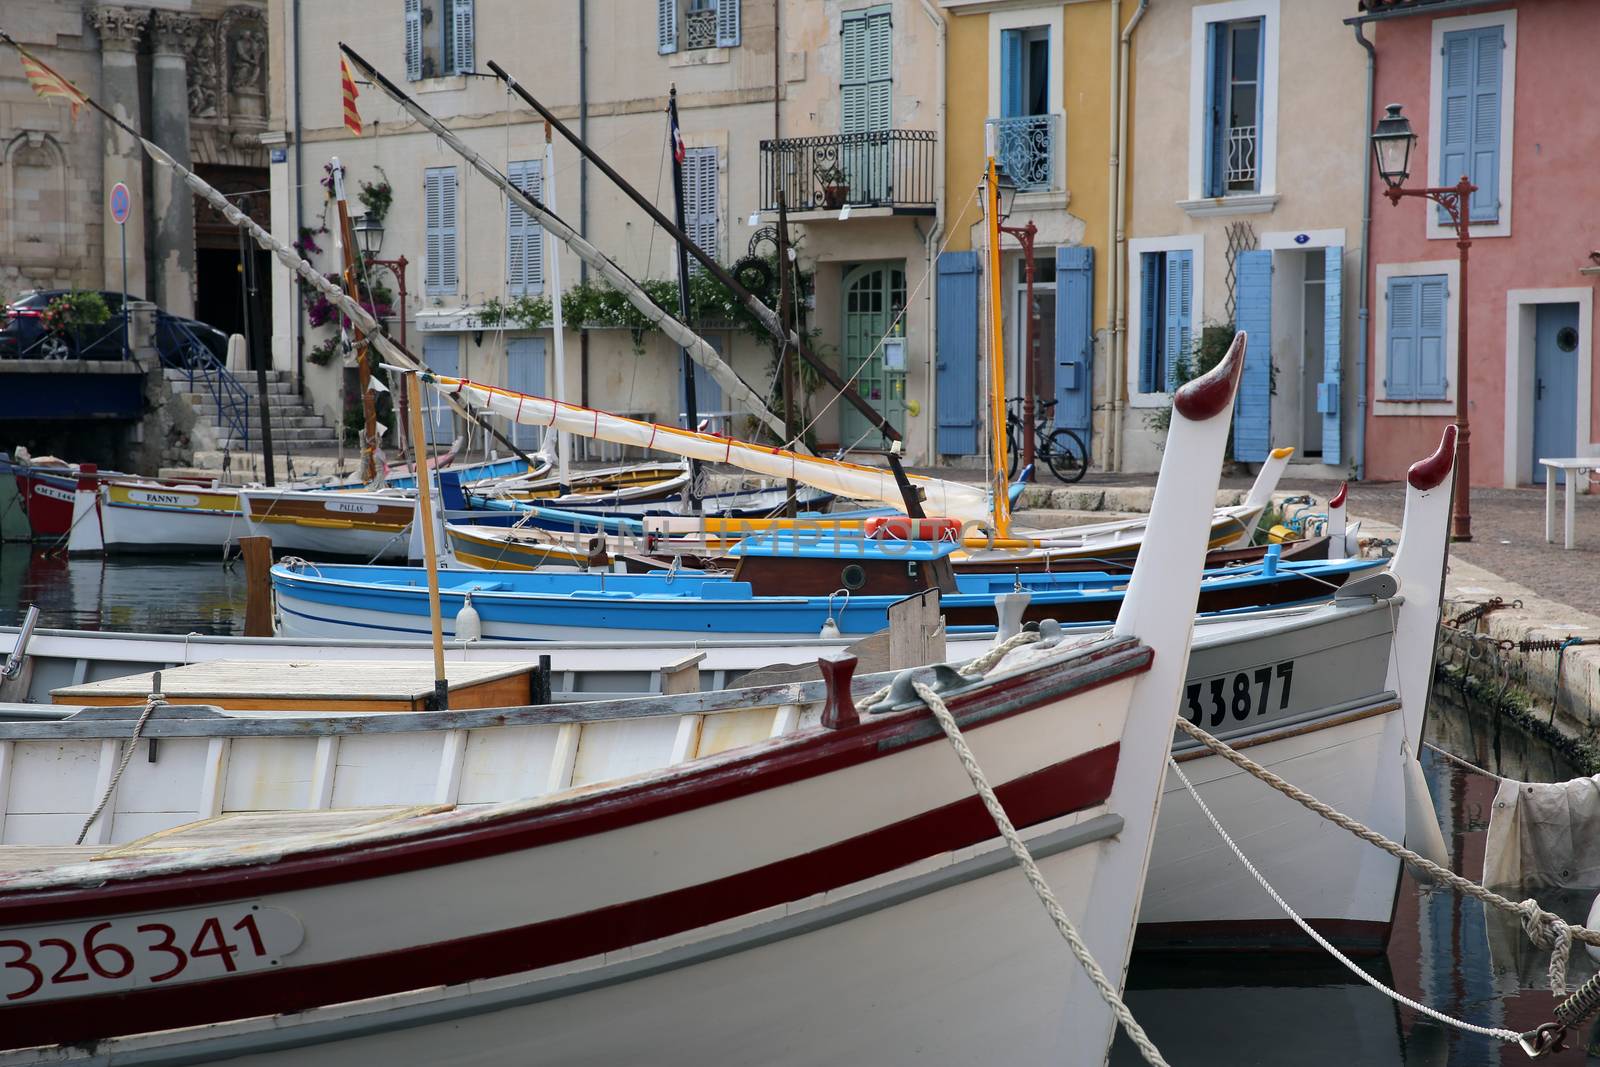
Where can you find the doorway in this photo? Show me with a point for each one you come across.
(874, 296)
(1555, 384)
(219, 288)
(1312, 336)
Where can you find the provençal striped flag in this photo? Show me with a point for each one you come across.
(50, 85)
(352, 117)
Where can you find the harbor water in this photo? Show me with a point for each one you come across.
(1235, 1010)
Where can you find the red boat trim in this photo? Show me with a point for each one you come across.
(697, 784)
(1427, 473)
(1210, 394)
(1049, 793)
(1360, 937)
(1338, 498)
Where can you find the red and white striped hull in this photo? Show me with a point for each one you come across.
(837, 895)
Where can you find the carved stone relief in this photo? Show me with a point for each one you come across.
(120, 28)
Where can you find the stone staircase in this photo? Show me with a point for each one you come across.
(295, 425)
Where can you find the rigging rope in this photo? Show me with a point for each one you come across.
(155, 699)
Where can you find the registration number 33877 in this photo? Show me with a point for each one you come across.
(1259, 691)
(138, 951)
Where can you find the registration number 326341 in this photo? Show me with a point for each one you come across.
(138, 951)
(1212, 701)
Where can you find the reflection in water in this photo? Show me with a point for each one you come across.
(1235, 1010)
(150, 595)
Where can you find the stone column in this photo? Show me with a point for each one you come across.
(172, 252)
(120, 29)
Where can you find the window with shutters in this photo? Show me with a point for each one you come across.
(1026, 126)
(1470, 116)
(1416, 329)
(1165, 274)
(524, 237)
(1233, 106)
(700, 200)
(689, 25)
(439, 38)
(440, 230)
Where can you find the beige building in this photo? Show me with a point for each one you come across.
(1248, 141)
(190, 74)
(606, 71)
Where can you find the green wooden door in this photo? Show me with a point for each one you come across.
(874, 296)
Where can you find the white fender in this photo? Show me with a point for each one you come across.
(1159, 610)
(85, 537)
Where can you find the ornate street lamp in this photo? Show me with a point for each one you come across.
(369, 231)
(1006, 191)
(1391, 150)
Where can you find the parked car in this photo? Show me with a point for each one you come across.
(179, 340)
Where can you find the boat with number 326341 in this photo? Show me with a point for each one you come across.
(761, 902)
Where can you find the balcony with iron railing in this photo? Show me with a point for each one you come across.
(880, 172)
(1028, 148)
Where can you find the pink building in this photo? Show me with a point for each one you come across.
(1494, 91)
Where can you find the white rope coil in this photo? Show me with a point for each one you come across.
(1030, 869)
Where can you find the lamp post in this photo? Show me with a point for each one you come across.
(1025, 236)
(1392, 142)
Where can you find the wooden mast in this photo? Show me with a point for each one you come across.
(369, 404)
(430, 555)
(557, 323)
(997, 368)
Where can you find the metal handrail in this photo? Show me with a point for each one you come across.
(874, 168)
(228, 395)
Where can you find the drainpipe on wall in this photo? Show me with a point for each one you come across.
(299, 206)
(1363, 312)
(931, 246)
(1119, 198)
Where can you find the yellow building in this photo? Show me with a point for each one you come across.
(1046, 85)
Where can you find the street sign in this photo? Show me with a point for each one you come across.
(121, 203)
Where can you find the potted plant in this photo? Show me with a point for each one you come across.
(835, 186)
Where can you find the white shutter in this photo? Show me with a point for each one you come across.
(666, 26)
(700, 198)
(462, 29)
(524, 238)
(727, 23)
(413, 40)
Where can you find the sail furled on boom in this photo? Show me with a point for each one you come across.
(944, 498)
(733, 387)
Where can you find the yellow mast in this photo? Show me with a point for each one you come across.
(998, 482)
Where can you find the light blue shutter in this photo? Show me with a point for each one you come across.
(1432, 300)
(1332, 334)
(442, 354)
(1150, 271)
(727, 23)
(1400, 381)
(439, 203)
(1470, 116)
(525, 374)
(462, 35)
(1216, 141)
(413, 40)
(707, 391)
(957, 359)
(524, 237)
(866, 72)
(1179, 314)
(1074, 338)
(1011, 45)
(666, 26)
(700, 199)
(1252, 425)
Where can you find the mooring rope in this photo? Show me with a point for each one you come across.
(150, 705)
(1393, 994)
(1041, 888)
(1544, 928)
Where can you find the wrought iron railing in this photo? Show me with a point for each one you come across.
(700, 28)
(1026, 147)
(182, 350)
(879, 168)
(1241, 158)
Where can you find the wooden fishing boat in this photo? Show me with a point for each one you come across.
(339, 522)
(142, 517)
(600, 489)
(777, 883)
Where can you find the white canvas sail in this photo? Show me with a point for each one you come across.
(942, 498)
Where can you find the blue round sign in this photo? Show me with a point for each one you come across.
(121, 203)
